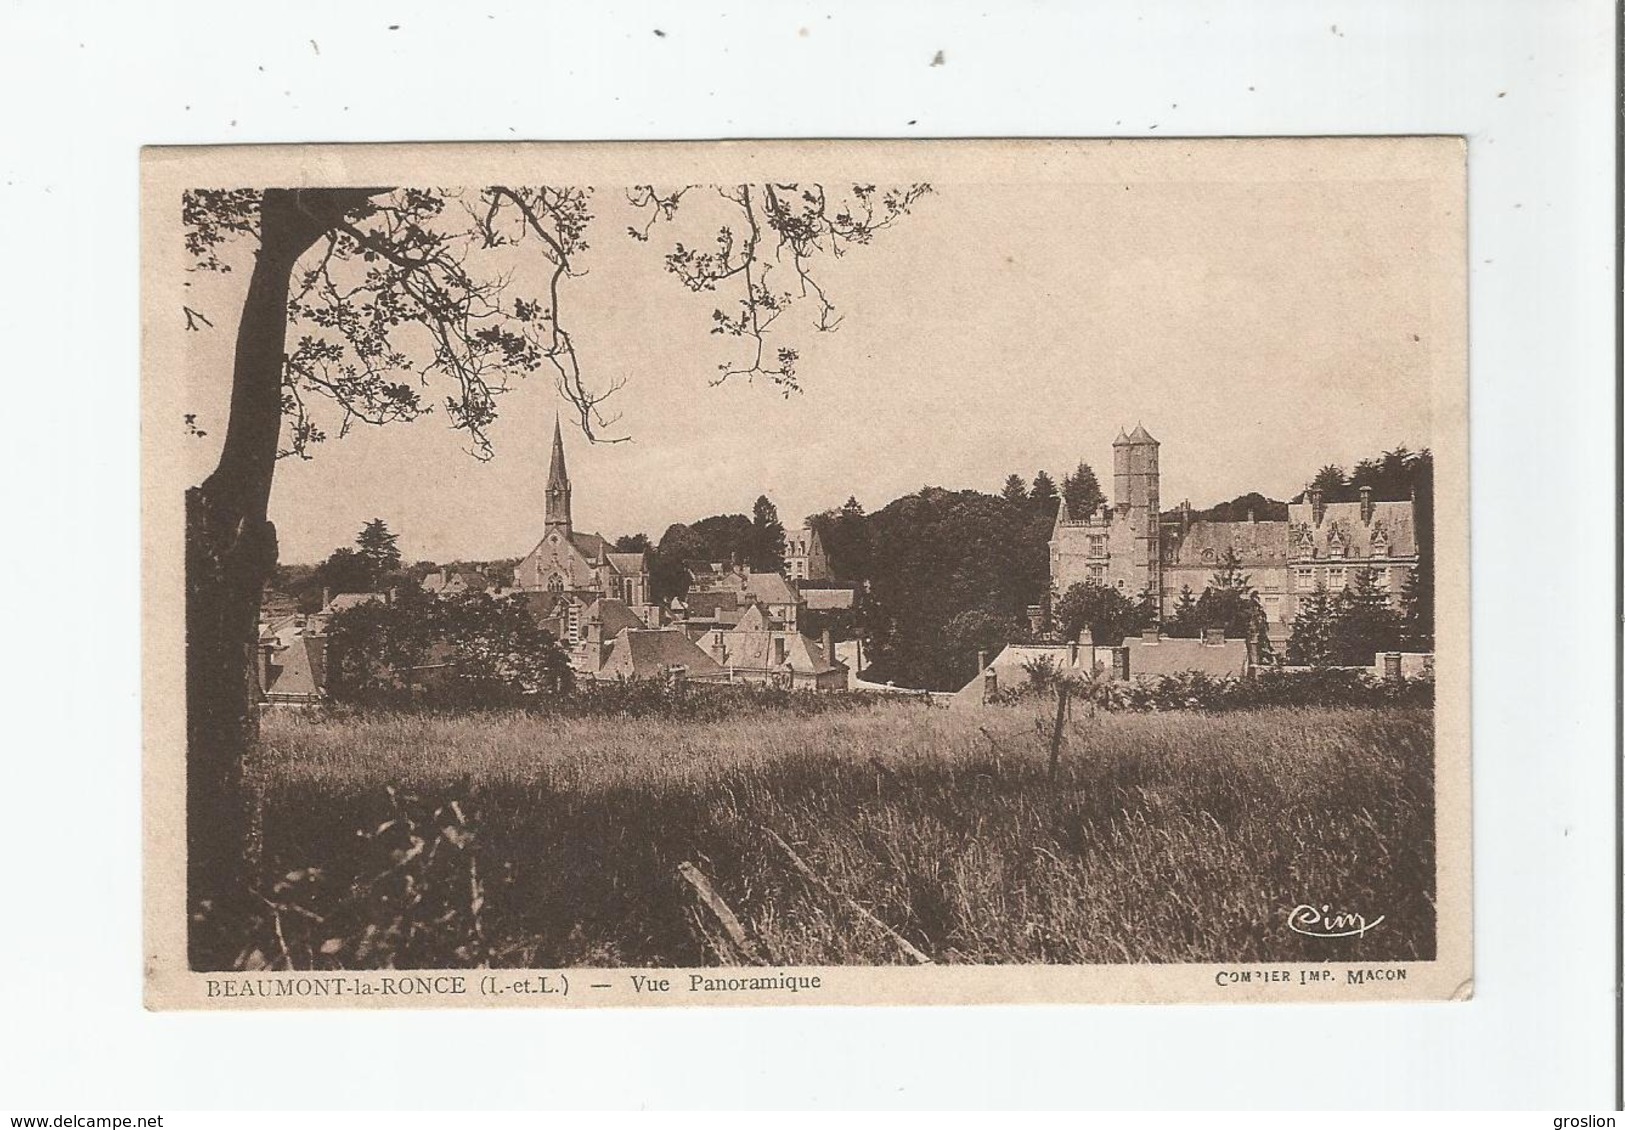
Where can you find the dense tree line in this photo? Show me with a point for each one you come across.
(472, 649)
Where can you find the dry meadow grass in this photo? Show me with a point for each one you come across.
(1169, 837)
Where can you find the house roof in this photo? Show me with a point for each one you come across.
(297, 669)
(352, 600)
(1341, 524)
(613, 615)
(752, 619)
(770, 588)
(757, 650)
(1010, 667)
(710, 603)
(643, 653)
(445, 578)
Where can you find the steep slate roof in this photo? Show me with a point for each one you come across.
(445, 578)
(643, 653)
(626, 564)
(297, 669)
(351, 600)
(708, 604)
(752, 619)
(592, 546)
(614, 615)
(1140, 435)
(1010, 671)
(1396, 519)
(770, 588)
(1256, 543)
(754, 650)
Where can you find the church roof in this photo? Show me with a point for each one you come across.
(627, 564)
(592, 546)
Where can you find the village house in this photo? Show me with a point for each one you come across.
(804, 556)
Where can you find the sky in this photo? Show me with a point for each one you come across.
(1258, 329)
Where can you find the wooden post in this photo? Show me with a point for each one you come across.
(817, 880)
(732, 928)
(1055, 735)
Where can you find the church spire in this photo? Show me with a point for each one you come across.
(558, 485)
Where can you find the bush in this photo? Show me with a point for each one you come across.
(410, 895)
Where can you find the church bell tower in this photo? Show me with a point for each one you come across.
(558, 486)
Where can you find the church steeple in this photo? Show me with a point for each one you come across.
(558, 485)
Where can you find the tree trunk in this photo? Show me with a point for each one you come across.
(230, 553)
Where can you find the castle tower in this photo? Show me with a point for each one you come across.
(1137, 483)
(558, 486)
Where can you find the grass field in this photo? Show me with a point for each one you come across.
(1166, 837)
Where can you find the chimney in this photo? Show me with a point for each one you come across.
(1213, 636)
(1317, 503)
(265, 667)
(1153, 634)
(1086, 638)
(1366, 506)
(829, 649)
(1251, 515)
(990, 684)
(981, 662)
(1072, 654)
(1035, 619)
(327, 595)
(778, 650)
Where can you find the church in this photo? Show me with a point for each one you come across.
(1133, 546)
(576, 564)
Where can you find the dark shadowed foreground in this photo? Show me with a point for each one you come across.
(510, 839)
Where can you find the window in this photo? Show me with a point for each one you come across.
(1383, 578)
(555, 583)
(1336, 578)
(1097, 574)
(1097, 545)
(1304, 579)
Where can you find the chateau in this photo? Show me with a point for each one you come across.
(1132, 545)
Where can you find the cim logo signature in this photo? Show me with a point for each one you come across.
(1323, 922)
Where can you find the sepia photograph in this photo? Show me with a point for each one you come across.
(806, 572)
